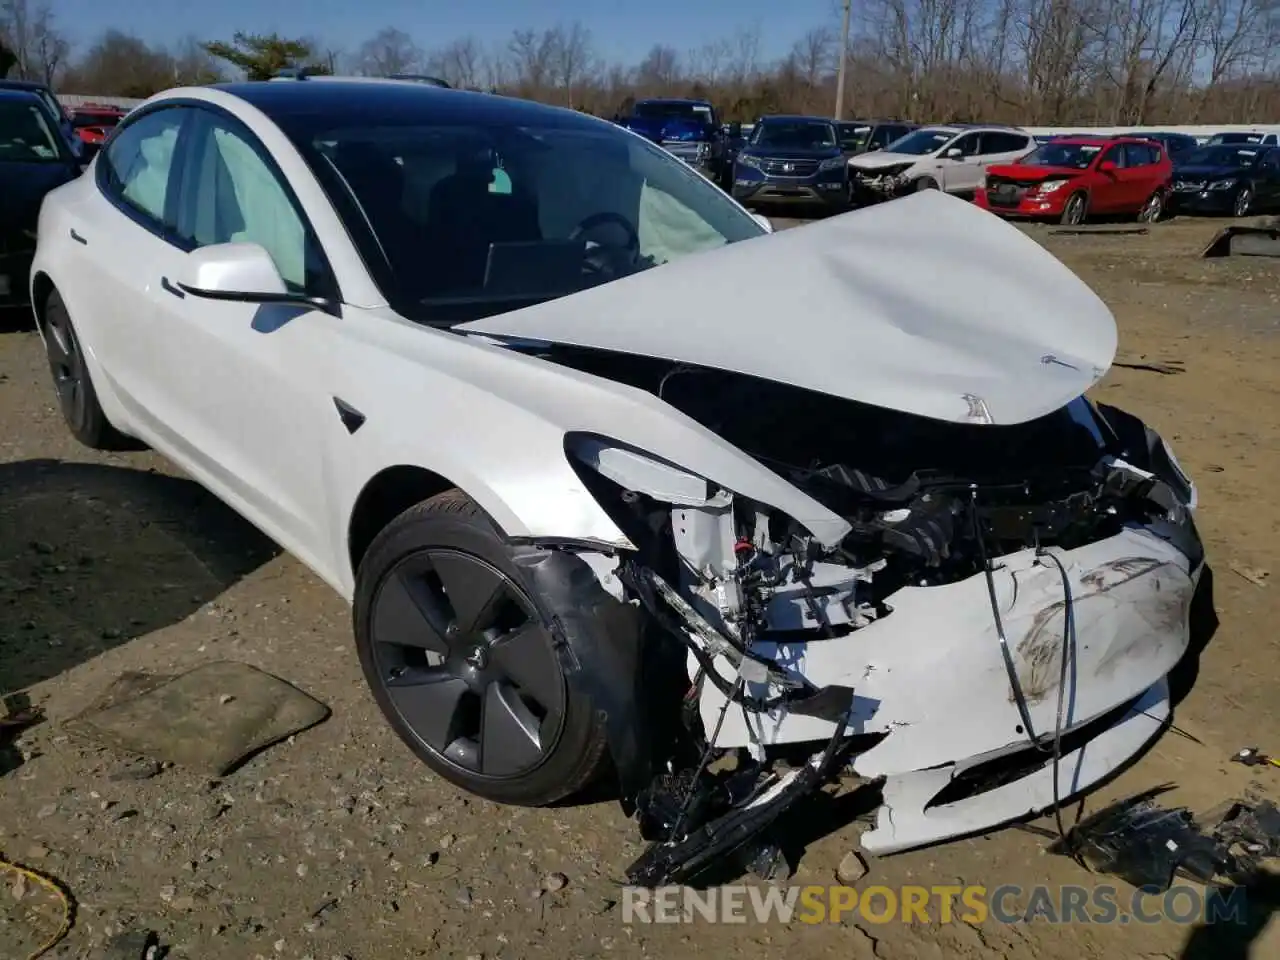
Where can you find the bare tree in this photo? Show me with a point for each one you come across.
(462, 64)
(573, 58)
(532, 57)
(389, 51)
(659, 71)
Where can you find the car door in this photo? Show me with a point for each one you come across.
(124, 242)
(957, 164)
(1108, 191)
(248, 380)
(1268, 181)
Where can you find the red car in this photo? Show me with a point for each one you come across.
(1072, 178)
(93, 123)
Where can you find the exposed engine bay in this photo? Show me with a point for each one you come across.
(882, 183)
(993, 549)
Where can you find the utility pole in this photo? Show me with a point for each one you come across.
(844, 57)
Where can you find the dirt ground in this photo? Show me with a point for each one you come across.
(337, 844)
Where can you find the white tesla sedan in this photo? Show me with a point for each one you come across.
(485, 366)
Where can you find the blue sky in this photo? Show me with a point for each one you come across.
(622, 31)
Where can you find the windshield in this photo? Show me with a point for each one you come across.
(81, 120)
(463, 221)
(25, 133)
(920, 142)
(673, 110)
(1235, 138)
(1220, 156)
(854, 136)
(1078, 156)
(795, 134)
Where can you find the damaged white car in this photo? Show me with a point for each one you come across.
(485, 367)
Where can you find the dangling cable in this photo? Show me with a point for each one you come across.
(989, 570)
(1069, 651)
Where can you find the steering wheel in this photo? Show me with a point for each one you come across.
(609, 258)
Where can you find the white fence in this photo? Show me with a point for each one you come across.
(74, 100)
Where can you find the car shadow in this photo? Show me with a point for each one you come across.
(1203, 625)
(92, 556)
(1233, 937)
(16, 319)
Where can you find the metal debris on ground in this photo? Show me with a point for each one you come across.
(1240, 241)
(1255, 575)
(1098, 231)
(1253, 757)
(187, 719)
(1149, 846)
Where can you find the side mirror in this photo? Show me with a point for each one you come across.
(764, 221)
(1106, 166)
(240, 273)
(954, 153)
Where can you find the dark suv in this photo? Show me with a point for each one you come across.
(865, 136)
(792, 160)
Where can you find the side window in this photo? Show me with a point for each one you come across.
(881, 136)
(232, 193)
(1116, 155)
(967, 145)
(995, 142)
(135, 169)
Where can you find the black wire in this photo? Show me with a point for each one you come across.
(988, 569)
(702, 766)
(1069, 648)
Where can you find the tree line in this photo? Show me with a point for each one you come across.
(1109, 62)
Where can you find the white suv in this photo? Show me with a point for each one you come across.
(950, 157)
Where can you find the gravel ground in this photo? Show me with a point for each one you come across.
(337, 844)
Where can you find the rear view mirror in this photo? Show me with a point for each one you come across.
(1106, 166)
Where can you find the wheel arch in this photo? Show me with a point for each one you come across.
(385, 496)
(42, 287)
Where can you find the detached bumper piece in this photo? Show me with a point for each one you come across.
(694, 820)
(1245, 242)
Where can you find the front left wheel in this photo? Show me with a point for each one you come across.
(463, 663)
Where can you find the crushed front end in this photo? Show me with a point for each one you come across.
(872, 184)
(992, 636)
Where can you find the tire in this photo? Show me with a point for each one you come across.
(498, 661)
(1153, 210)
(926, 183)
(77, 397)
(1076, 210)
(1244, 202)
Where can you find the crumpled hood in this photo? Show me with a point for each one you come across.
(926, 304)
(882, 158)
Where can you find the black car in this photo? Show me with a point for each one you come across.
(1175, 144)
(1232, 179)
(34, 159)
(792, 160)
(1251, 138)
(864, 136)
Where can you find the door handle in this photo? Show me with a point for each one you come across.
(77, 238)
(176, 291)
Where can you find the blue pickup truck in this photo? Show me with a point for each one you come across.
(689, 129)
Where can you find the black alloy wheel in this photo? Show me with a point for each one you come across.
(466, 664)
(66, 364)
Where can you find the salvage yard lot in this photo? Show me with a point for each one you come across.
(337, 844)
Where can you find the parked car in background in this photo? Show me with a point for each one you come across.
(792, 160)
(34, 159)
(1071, 178)
(1255, 138)
(94, 122)
(1221, 178)
(688, 129)
(51, 103)
(949, 157)
(866, 136)
(1175, 144)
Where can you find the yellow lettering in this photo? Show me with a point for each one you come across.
(812, 907)
(915, 905)
(843, 900)
(946, 894)
(975, 898)
(890, 905)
